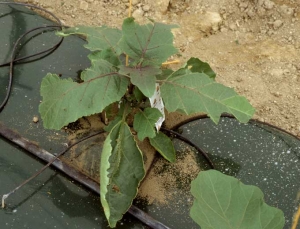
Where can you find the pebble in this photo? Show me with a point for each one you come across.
(287, 10)
(268, 4)
(277, 24)
(210, 21)
(233, 27)
(138, 13)
(146, 8)
(83, 5)
(134, 2)
(35, 119)
(162, 5)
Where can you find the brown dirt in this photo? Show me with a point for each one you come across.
(252, 45)
(166, 178)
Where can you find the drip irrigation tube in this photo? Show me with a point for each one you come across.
(254, 121)
(71, 172)
(14, 50)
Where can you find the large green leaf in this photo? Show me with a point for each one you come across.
(99, 38)
(223, 201)
(65, 101)
(163, 144)
(139, 96)
(121, 171)
(106, 54)
(149, 44)
(196, 92)
(142, 77)
(144, 122)
(196, 65)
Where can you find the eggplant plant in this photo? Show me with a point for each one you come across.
(142, 91)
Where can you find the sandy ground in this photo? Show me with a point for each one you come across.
(253, 45)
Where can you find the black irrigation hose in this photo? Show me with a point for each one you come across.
(13, 53)
(202, 116)
(47, 51)
(182, 138)
(44, 155)
(254, 121)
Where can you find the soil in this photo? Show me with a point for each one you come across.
(252, 45)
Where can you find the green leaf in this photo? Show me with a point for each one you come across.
(196, 92)
(107, 55)
(142, 77)
(163, 144)
(99, 38)
(65, 101)
(139, 96)
(121, 171)
(223, 201)
(121, 115)
(149, 44)
(144, 122)
(196, 65)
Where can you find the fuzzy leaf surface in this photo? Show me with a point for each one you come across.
(142, 77)
(196, 65)
(121, 171)
(99, 38)
(163, 144)
(223, 201)
(196, 92)
(65, 101)
(149, 44)
(144, 122)
(139, 96)
(106, 54)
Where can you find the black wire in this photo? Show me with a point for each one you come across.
(225, 115)
(182, 138)
(13, 54)
(49, 50)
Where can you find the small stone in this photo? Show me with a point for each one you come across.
(138, 13)
(287, 11)
(134, 2)
(146, 8)
(83, 5)
(277, 24)
(277, 94)
(239, 79)
(261, 12)
(223, 30)
(251, 13)
(233, 27)
(35, 119)
(162, 5)
(210, 21)
(268, 4)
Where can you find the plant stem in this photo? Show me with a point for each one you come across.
(296, 218)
